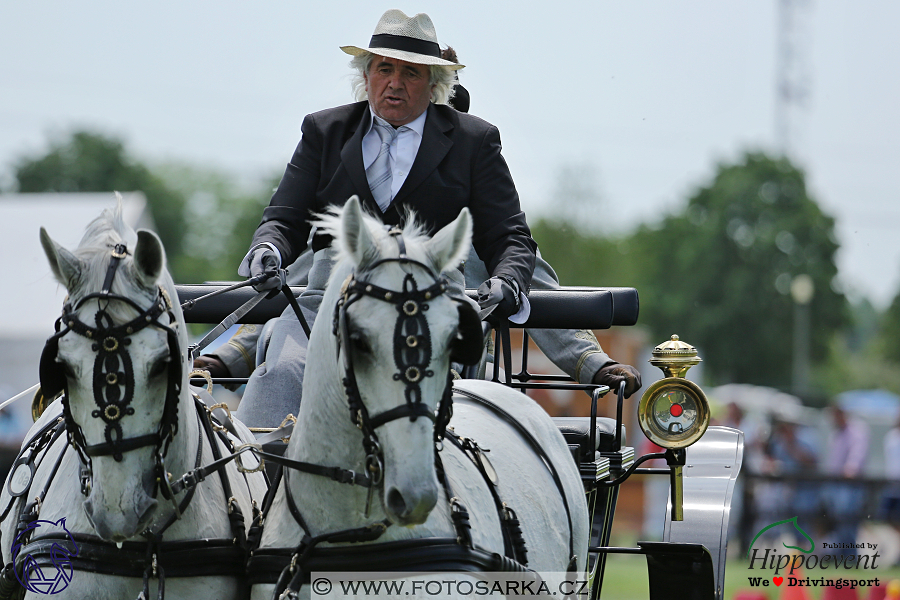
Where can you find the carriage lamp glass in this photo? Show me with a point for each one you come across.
(674, 412)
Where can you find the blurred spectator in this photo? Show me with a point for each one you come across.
(890, 504)
(850, 445)
(846, 458)
(791, 450)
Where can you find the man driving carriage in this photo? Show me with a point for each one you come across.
(400, 148)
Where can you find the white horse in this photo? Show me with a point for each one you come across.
(97, 516)
(394, 330)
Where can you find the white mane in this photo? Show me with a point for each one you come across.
(415, 237)
(100, 237)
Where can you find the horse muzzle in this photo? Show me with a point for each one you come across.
(409, 507)
(119, 521)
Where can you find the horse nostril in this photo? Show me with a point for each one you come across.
(395, 502)
(147, 514)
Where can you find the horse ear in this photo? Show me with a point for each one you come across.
(149, 258)
(66, 267)
(356, 238)
(450, 245)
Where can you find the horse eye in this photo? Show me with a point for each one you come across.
(359, 343)
(67, 369)
(158, 368)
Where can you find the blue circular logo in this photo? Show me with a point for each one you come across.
(46, 579)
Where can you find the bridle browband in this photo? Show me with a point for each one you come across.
(113, 376)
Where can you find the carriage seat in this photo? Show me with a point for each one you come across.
(576, 431)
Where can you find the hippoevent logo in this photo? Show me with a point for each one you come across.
(49, 579)
(785, 567)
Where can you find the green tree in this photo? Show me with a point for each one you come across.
(573, 238)
(84, 161)
(719, 272)
(890, 332)
(203, 218)
(580, 258)
(221, 220)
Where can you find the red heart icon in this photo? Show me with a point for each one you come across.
(778, 580)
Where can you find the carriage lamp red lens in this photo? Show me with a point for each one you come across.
(676, 410)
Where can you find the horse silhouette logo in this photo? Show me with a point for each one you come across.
(793, 521)
(49, 579)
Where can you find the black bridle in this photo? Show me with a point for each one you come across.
(412, 351)
(113, 375)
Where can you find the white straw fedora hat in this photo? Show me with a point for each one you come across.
(412, 39)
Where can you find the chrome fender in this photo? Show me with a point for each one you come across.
(709, 475)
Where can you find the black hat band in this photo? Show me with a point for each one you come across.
(407, 44)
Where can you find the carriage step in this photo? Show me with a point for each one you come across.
(679, 571)
(576, 431)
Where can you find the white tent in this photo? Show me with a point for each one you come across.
(31, 299)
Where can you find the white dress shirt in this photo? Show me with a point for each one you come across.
(403, 149)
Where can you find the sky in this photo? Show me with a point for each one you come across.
(648, 96)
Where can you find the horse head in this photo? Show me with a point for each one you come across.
(119, 355)
(393, 329)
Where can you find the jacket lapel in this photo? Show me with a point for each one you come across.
(351, 158)
(434, 147)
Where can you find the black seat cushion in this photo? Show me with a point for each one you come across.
(576, 431)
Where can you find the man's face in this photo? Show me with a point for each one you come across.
(398, 91)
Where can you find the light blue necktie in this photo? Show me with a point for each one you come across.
(379, 172)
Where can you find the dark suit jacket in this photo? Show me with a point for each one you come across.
(458, 164)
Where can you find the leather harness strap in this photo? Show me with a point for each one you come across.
(513, 540)
(183, 558)
(186, 558)
(535, 446)
(424, 554)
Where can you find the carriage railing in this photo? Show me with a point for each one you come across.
(563, 308)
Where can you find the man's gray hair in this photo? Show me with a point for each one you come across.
(442, 78)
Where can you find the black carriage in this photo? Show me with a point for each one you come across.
(702, 462)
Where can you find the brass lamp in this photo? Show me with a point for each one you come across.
(674, 412)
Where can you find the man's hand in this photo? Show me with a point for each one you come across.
(499, 298)
(212, 364)
(264, 262)
(612, 375)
